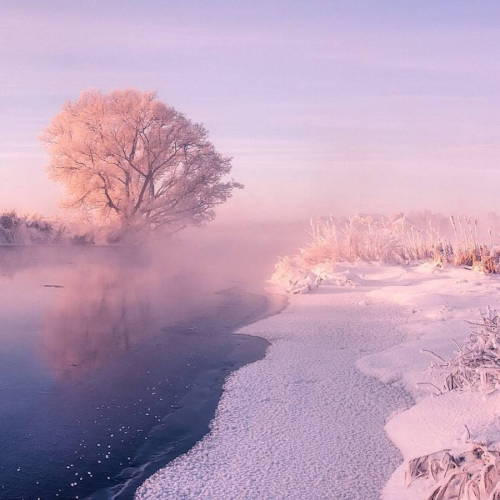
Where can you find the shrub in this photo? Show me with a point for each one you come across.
(476, 363)
(28, 230)
(292, 276)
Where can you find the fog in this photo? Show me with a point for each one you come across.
(104, 341)
(96, 303)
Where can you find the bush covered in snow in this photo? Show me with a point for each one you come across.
(476, 363)
(292, 275)
(28, 230)
(35, 230)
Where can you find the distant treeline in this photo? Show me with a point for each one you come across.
(35, 230)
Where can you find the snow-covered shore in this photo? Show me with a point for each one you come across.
(441, 302)
(306, 423)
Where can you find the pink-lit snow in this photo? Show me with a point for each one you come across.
(320, 416)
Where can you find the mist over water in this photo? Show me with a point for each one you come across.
(112, 359)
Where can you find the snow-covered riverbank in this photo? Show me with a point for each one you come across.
(442, 302)
(306, 423)
(303, 422)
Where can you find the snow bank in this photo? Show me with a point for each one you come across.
(306, 423)
(441, 301)
(303, 423)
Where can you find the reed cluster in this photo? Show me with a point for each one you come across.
(475, 366)
(397, 239)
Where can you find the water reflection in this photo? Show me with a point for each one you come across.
(102, 311)
(96, 368)
(98, 314)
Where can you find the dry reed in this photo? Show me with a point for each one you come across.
(397, 239)
(471, 475)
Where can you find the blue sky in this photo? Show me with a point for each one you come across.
(326, 106)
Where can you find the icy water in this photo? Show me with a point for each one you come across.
(109, 370)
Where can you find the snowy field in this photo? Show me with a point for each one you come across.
(330, 412)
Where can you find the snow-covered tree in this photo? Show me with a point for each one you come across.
(130, 160)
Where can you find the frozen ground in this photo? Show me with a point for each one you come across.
(305, 423)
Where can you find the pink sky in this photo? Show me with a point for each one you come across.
(326, 106)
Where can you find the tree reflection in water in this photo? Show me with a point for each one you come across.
(100, 312)
(104, 310)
